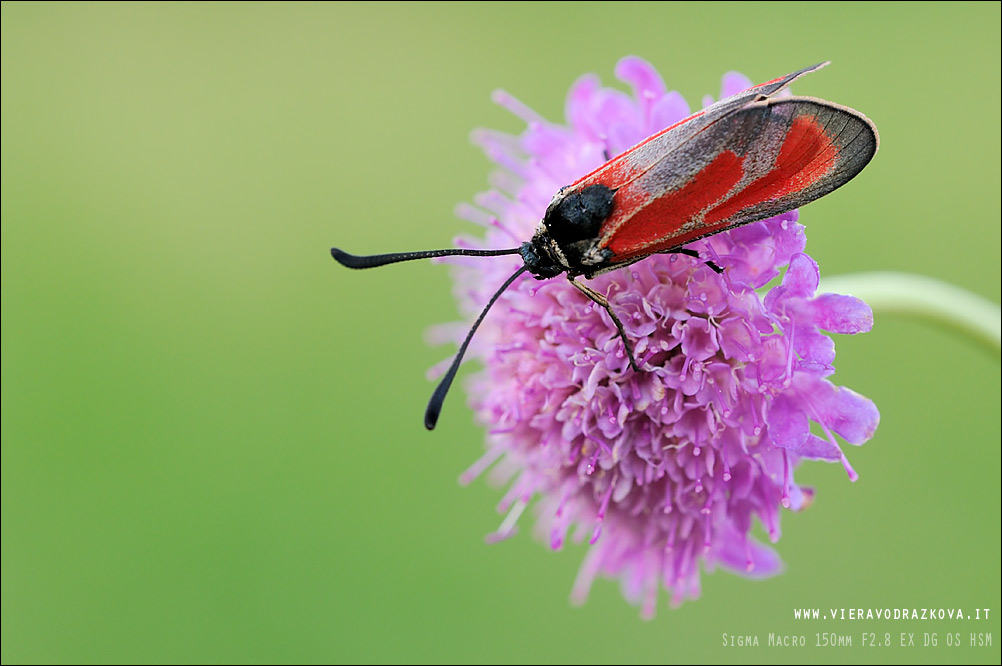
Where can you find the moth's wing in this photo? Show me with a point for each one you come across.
(766, 158)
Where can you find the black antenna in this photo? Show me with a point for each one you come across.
(438, 397)
(375, 260)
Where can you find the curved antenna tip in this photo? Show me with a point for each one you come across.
(340, 256)
(438, 397)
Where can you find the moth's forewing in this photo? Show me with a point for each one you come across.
(763, 159)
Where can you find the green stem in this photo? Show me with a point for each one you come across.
(925, 297)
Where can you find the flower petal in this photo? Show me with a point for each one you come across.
(733, 83)
(842, 314)
(789, 426)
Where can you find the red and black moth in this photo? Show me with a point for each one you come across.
(746, 158)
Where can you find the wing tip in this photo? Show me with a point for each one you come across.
(808, 70)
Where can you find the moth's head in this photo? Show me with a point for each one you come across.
(537, 256)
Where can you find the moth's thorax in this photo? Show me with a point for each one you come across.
(567, 237)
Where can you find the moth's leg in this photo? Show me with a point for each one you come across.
(604, 302)
(692, 253)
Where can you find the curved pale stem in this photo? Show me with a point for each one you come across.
(925, 297)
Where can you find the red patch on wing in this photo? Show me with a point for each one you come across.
(613, 174)
(656, 227)
(806, 155)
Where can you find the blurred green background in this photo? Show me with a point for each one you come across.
(212, 439)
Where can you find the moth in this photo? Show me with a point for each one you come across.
(746, 158)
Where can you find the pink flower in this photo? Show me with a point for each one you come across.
(665, 469)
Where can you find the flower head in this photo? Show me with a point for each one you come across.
(662, 470)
